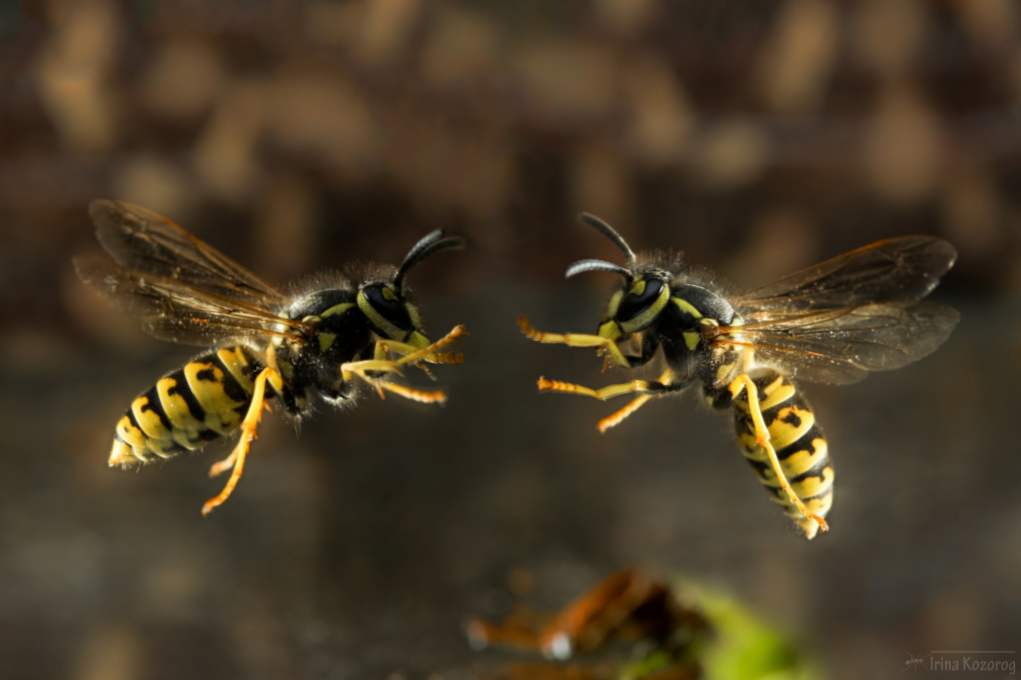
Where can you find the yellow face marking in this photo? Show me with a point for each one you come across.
(337, 309)
(206, 383)
(687, 307)
(611, 310)
(691, 339)
(389, 294)
(326, 340)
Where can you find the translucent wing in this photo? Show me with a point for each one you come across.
(858, 312)
(180, 288)
(896, 271)
(142, 240)
(842, 346)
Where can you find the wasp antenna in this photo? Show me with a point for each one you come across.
(433, 242)
(582, 266)
(610, 233)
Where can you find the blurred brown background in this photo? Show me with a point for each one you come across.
(758, 137)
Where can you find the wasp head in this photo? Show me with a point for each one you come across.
(386, 304)
(640, 300)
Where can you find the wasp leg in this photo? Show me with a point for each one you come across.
(743, 383)
(362, 369)
(378, 365)
(613, 353)
(384, 346)
(421, 396)
(617, 417)
(429, 354)
(249, 426)
(647, 389)
(651, 388)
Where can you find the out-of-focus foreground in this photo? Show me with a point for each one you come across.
(758, 137)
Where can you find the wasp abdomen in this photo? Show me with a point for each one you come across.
(799, 443)
(205, 399)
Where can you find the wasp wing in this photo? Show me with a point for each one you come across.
(843, 346)
(172, 310)
(858, 312)
(144, 241)
(896, 271)
(179, 287)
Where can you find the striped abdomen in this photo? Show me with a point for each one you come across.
(205, 399)
(799, 442)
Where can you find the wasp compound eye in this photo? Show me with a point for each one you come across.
(644, 293)
(388, 304)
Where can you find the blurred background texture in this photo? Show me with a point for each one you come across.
(758, 137)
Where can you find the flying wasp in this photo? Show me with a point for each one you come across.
(830, 323)
(318, 343)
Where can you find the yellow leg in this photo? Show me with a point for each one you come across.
(421, 396)
(613, 353)
(362, 369)
(645, 387)
(402, 348)
(221, 466)
(743, 383)
(350, 369)
(429, 353)
(617, 417)
(249, 426)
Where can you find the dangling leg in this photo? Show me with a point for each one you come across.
(613, 353)
(744, 383)
(421, 396)
(650, 388)
(618, 416)
(249, 426)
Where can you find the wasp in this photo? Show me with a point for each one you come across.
(833, 323)
(320, 342)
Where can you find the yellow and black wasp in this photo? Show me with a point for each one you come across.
(313, 343)
(830, 323)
